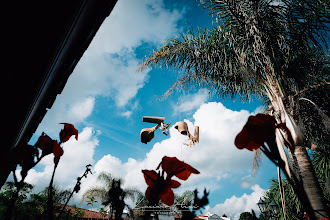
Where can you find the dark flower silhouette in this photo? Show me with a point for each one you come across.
(159, 188)
(57, 151)
(258, 130)
(48, 146)
(27, 156)
(67, 132)
(45, 143)
(174, 167)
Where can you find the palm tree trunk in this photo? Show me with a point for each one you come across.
(310, 183)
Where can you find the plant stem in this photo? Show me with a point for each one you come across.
(66, 203)
(50, 205)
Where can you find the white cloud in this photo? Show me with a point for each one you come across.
(191, 102)
(81, 110)
(234, 206)
(132, 22)
(108, 67)
(127, 114)
(258, 110)
(132, 107)
(247, 182)
(215, 156)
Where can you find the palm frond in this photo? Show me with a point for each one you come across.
(97, 192)
(132, 193)
(207, 59)
(257, 45)
(104, 177)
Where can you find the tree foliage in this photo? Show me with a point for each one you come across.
(293, 207)
(321, 163)
(245, 216)
(29, 204)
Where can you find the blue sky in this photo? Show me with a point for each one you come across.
(105, 98)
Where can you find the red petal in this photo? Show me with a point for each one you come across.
(67, 132)
(168, 197)
(45, 143)
(57, 151)
(242, 139)
(191, 169)
(171, 164)
(252, 146)
(188, 170)
(257, 130)
(174, 184)
(150, 177)
(184, 175)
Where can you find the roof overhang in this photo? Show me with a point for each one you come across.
(44, 40)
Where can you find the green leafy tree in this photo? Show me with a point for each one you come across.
(245, 216)
(6, 195)
(76, 212)
(29, 204)
(37, 202)
(268, 49)
(321, 163)
(293, 207)
(103, 211)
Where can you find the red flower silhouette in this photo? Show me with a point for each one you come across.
(48, 145)
(67, 132)
(174, 167)
(57, 151)
(45, 143)
(158, 188)
(258, 130)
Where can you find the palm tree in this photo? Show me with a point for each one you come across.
(269, 49)
(102, 192)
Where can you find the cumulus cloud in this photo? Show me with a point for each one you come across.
(215, 156)
(233, 206)
(81, 110)
(247, 182)
(108, 67)
(133, 22)
(187, 103)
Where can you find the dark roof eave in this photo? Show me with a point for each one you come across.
(88, 20)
